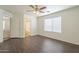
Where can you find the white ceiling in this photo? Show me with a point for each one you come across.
(24, 8)
(55, 8)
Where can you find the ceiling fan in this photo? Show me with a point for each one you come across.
(37, 9)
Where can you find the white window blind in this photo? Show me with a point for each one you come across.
(53, 24)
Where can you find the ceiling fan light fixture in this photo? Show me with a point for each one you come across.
(37, 12)
(34, 12)
(37, 9)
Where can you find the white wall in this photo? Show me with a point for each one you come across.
(69, 28)
(33, 25)
(1, 26)
(21, 25)
(15, 25)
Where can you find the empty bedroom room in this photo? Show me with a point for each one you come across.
(39, 28)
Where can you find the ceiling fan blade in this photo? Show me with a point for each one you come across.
(42, 8)
(41, 11)
(32, 6)
(36, 7)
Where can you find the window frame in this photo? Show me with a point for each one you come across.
(52, 30)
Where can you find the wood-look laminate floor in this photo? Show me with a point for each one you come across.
(37, 44)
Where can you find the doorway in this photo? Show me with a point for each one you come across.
(6, 27)
(27, 27)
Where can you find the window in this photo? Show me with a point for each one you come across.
(53, 24)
